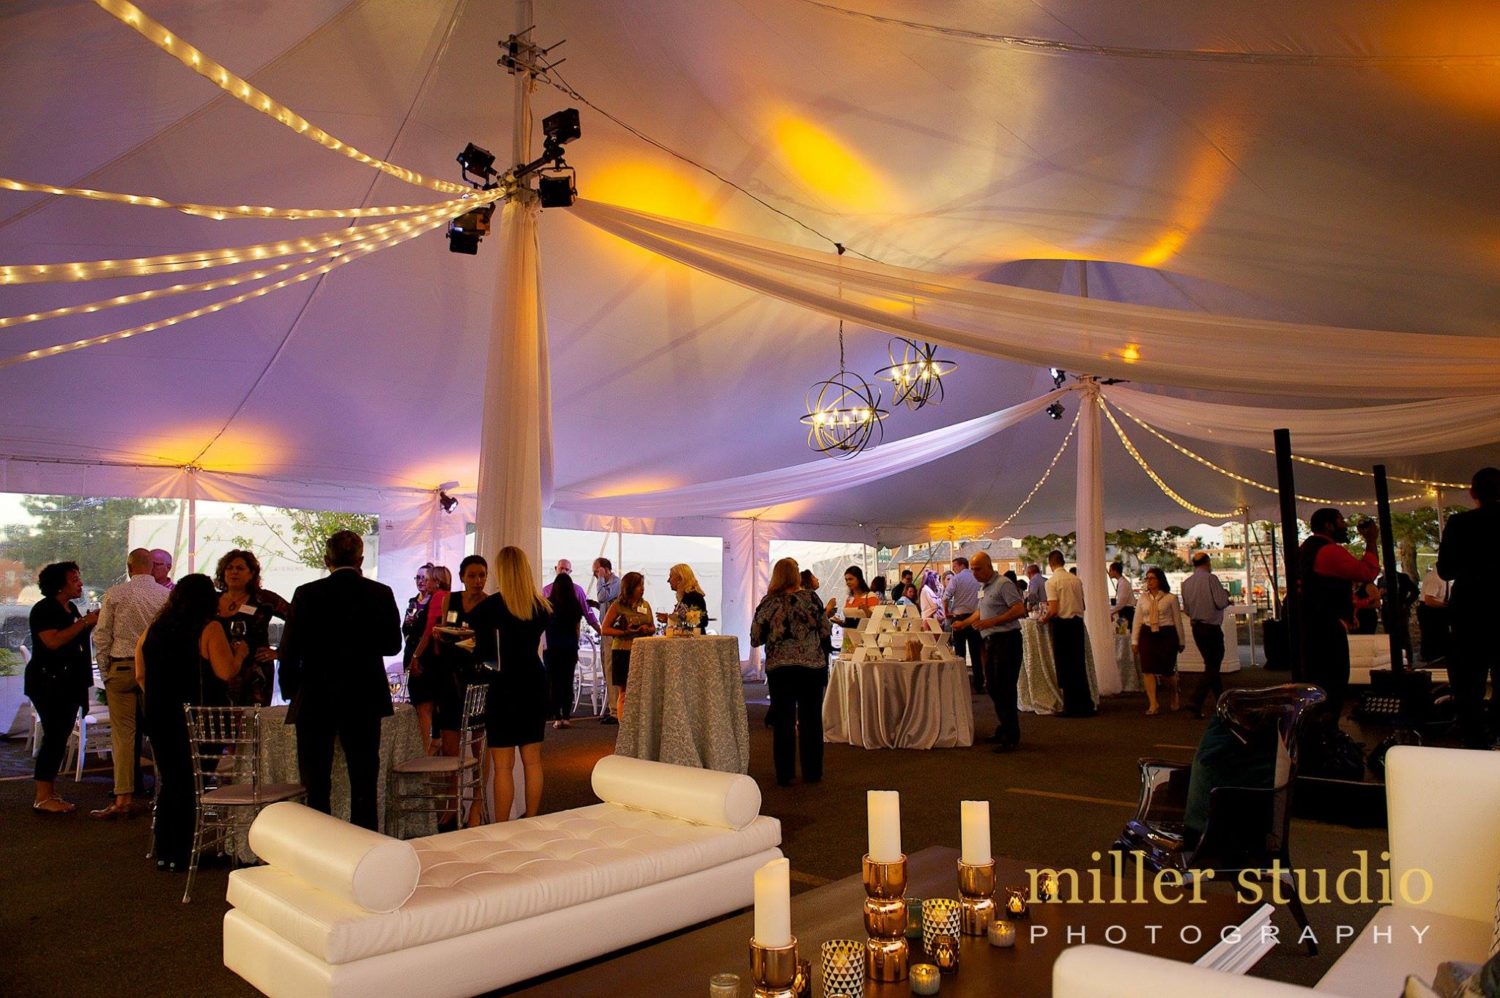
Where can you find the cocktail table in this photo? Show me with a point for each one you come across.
(682, 964)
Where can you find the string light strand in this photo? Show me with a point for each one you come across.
(226, 211)
(87, 270)
(1166, 489)
(240, 89)
(1067, 439)
(1185, 452)
(1330, 466)
(361, 250)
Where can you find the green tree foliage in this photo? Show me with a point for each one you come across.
(1416, 530)
(92, 532)
(1138, 548)
(1037, 548)
(310, 530)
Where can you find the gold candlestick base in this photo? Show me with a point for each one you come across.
(976, 889)
(886, 953)
(776, 972)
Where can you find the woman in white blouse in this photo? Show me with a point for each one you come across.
(931, 599)
(1158, 634)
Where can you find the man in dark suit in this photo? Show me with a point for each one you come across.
(333, 669)
(1468, 557)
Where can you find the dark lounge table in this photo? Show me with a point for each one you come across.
(682, 964)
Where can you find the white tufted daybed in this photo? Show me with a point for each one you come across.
(342, 911)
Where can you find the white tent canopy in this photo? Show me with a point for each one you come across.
(1318, 163)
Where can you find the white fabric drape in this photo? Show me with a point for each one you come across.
(746, 576)
(414, 531)
(1368, 431)
(515, 446)
(804, 481)
(1088, 509)
(1157, 345)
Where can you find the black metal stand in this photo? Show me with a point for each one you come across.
(1391, 602)
(1286, 490)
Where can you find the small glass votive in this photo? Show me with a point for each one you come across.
(844, 967)
(724, 986)
(925, 979)
(1046, 887)
(913, 918)
(940, 917)
(1002, 933)
(1016, 907)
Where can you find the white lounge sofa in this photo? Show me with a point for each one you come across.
(342, 911)
(1444, 816)
(1443, 806)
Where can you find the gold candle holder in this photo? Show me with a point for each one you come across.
(776, 972)
(976, 889)
(886, 952)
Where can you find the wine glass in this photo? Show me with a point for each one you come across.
(236, 630)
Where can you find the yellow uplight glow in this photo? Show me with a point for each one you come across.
(1207, 175)
(829, 167)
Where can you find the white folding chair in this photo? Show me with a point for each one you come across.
(589, 676)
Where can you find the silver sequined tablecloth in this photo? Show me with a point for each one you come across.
(685, 704)
(1037, 691)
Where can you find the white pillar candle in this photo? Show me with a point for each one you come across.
(884, 816)
(773, 904)
(975, 818)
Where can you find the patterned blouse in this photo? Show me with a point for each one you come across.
(794, 629)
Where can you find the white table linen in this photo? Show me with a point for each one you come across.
(885, 704)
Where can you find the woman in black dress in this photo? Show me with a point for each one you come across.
(58, 675)
(413, 624)
(245, 612)
(425, 680)
(508, 629)
(689, 594)
(561, 656)
(177, 660)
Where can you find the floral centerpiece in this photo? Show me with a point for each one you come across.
(684, 621)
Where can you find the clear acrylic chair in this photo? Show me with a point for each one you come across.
(588, 677)
(441, 784)
(224, 744)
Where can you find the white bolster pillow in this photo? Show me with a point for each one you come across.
(375, 871)
(702, 796)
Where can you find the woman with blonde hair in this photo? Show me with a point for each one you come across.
(689, 594)
(628, 618)
(794, 630)
(508, 628)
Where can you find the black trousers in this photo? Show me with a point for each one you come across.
(1435, 624)
(561, 664)
(57, 714)
(1002, 670)
(797, 720)
(1210, 641)
(1068, 637)
(1472, 657)
(1325, 662)
(360, 738)
(967, 642)
(175, 805)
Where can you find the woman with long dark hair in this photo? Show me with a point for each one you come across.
(628, 618)
(182, 654)
(561, 654)
(58, 675)
(245, 612)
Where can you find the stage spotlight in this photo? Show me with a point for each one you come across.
(1058, 376)
(447, 502)
(1055, 410)
(467, 230)
(562, 127)
(477, 161)
(557, 188)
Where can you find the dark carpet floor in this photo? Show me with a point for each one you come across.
(82, 912)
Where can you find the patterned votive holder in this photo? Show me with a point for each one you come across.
(1016, 908)
(1002, 933)
(1046, 887)
(844, 967)
(925, 979)
(914, 918)
(942, 920)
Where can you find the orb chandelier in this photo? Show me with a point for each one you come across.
(917, 372)
(843, 412)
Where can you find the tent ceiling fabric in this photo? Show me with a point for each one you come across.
(1333, 165)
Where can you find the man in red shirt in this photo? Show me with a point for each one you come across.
(1325, 570)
